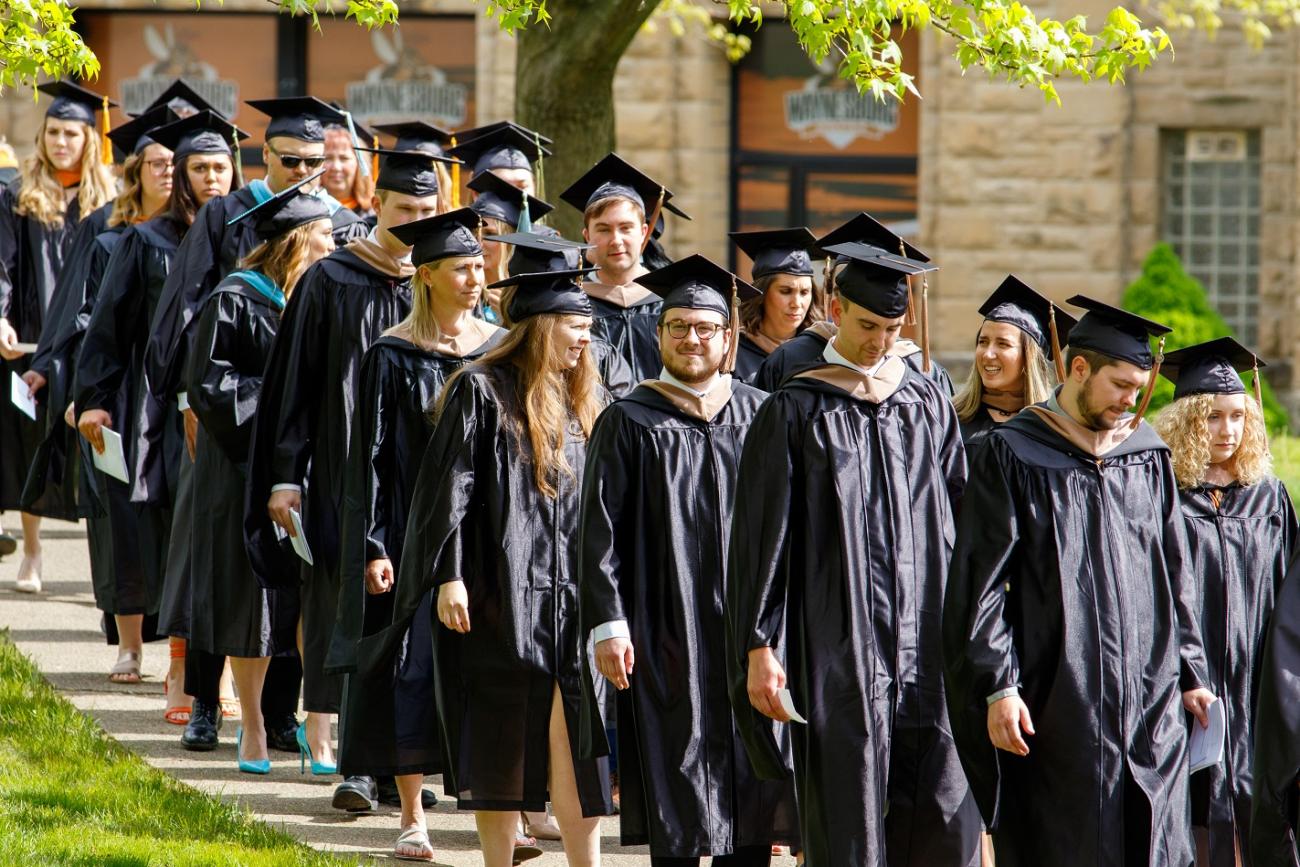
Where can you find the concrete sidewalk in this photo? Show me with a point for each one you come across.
(60, 630)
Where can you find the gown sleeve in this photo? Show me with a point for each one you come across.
(295, 364)
(1185, 588)
(223, 396)
(106, 349)
(605, 491)
(8, 248)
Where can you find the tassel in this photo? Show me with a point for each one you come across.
(828, 273)
(925, 325)
(1146, 398)
(362, 165)
(1259, 389)
(1056, 343)
(455, 180)
(537, 168)
(525, 223)
(105, 144)
(654, 219)
(729, 362)
(374, 158)
(239, 157)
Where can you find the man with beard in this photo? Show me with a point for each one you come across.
(1072, 645)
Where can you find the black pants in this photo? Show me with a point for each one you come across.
(279, 694)
(746, 856)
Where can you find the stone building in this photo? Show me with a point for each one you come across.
(1198, 151)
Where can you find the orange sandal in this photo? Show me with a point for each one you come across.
(177, 716)
(230, 708)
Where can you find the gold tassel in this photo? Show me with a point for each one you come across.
(455, 180)
(729, 363)
(925, 325)
(374, 158)
(1056, 343)
(1259, 389)
(537, 167)
(1146, 398)
(105, 144)
(909, 318)
(828, 271)
(239, 157)
(654, 219)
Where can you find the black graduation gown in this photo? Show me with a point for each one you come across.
(301, 436)
(389, 723)
(614, 370)
(805, 349)
(975, 431)
(1276, 761)
(1241, 547)
(230, 613)
(31, 258)
(109, 377)
(839, 551)
(1070, 578)
(749, 358)
(55, 486)
(477, 515)
(655, 521)
(632, 332)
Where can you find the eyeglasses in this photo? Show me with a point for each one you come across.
(677, 329)
(292, 161)
(159, 166)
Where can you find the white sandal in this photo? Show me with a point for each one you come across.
(414, 837)
(29, 575)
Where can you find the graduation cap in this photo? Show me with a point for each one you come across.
(134, 136)
(496, 126)
(181, 99)
(777, 251)
(546, 292)
(875, 278)
(541, 250)
(298, 117)
(416, 135)
(442, 236)
(499, 146)
(866, 229)
(204, 133)
(74, 102)
(409, 172)
(613, 177)
(503, 201)
(288, 209)
(697, 283)
(1016, 303)
(1115, 333)
(1211, 368)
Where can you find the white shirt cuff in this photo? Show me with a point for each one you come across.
(1003, 693)
(286, 486)
(612, 629)
(183, 401)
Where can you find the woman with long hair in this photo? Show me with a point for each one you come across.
(391, 719)
(790, 303)
(491, 526)
(505, 209)
(1241, 531)
(1019, 339)
(230, 614)
(109, 379)
(345, 179)
(69, 177)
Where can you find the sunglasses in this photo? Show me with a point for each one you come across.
(290, 161)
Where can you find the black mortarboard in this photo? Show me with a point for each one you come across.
(503, 146)
(409, 172)
(696, 283)
(416, 135)
(541, 250)
(181, 99)
(865, 229)
(74, 102)
(298, 117)
(286, 210)
(134, 135)
(204, 133)
(442, 236)
(777, 251)
(876, 278)
(546, 292)
(1209, 368)
(615, 176)
(1016, 303)
(497, 126)
(504, 201)
(1114, 333)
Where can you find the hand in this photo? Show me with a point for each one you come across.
(766, 680)
(493, 299)
(1197, 701)
(90, 423)
(453, 606)
(35, 382)
(70, 415)
(279, 507)
(615, 659)
(379, 576)
(1007, 716)
(8, 341)
(191, 432)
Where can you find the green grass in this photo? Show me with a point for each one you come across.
(1286, 462)
(70, 795)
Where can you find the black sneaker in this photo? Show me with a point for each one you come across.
(201, 731)
(282, 734)
(356, 795)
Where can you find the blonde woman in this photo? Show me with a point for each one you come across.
(790, 303)
(1241, 530)
(491, 527)
(69, 177)
(1014, 352)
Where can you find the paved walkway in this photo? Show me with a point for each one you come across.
(59, 629)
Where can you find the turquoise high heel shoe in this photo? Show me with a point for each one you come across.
(318, 769)
(258, 766)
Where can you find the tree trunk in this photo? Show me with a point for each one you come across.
(564, 87)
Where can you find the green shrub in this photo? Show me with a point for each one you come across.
(1168, 294)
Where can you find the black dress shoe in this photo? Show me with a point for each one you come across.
(282, 734)
(390, 797)
(8, 544)
(201, 731)
(356, 795)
